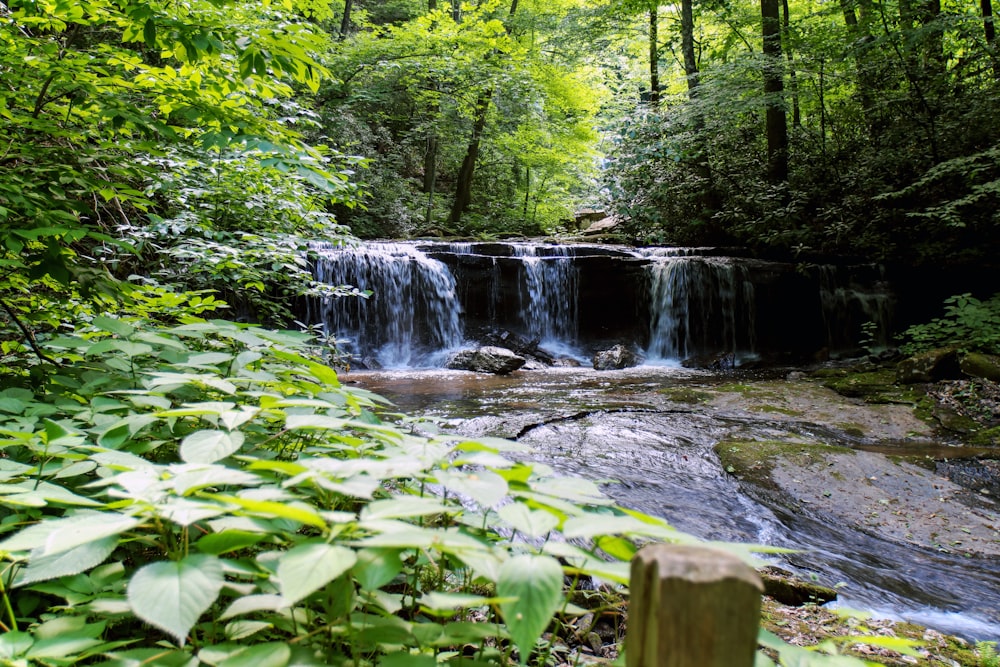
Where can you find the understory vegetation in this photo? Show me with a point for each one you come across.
(178, 488)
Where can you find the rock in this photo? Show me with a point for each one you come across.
(788, 589)
(617, 357)
(722, 361)
(601, 226)
(977, 365)
(932, 366)
(519, 345)
(486, 359)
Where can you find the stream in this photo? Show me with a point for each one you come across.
(656, 455)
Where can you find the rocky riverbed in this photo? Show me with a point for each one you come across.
(886, 499)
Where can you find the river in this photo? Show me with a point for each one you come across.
(655, 454)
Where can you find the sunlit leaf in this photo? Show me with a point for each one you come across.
(172, 595)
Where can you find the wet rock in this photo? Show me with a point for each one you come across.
(979, 365)
(519, 345)
(788, 589)
(722, 361)
(486, 359)
(615, 358)
(931, 366)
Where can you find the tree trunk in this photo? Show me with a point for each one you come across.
(432, 5)
(463, 186)
(654, 55)
(989, 31)
(687, 47)
(345, 21)
(792, 80)
(430, 174)
(774, 87)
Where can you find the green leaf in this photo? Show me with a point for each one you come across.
(173, 595)
(306, 568)
(74, 561)
(114, 326)
(210, 446)
(402, 507)
(227, 541)
(534, 523)
(14, 644)
(376, 567)
(271, 654)
(59, 535)
(535, 585)
(484, 486)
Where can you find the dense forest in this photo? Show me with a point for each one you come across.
(179, 490)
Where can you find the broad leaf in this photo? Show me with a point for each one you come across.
(173, 595)
(535, 585)
(533, 523)
(210, 446)
(74, 561)
(309, 567)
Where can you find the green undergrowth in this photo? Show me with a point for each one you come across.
(209, 493)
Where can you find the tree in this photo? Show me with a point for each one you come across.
(774, 86)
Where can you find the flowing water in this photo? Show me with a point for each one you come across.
(656, 456)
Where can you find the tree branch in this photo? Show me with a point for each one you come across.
(28, 334)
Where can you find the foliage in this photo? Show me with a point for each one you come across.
(95, 95)
(968, 323)
(892, 137)
(410, 92)
(213, 482)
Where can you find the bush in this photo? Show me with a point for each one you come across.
(968, 323)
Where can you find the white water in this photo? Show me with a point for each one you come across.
(413, 316)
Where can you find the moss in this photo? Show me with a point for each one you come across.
(686, 395)
(989, 437)
(873, 386)
(810, 625)
(753, 460)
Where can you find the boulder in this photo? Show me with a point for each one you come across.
(602, 226)
(931, 366)
(790, 590)
(486, 359)
(618, 356)
(977, 365)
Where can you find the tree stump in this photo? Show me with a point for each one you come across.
(692, 606)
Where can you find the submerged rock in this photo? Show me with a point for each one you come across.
(615, 358)
(486, 359)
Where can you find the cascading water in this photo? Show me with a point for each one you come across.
(549, 294)
(675, 304)
(412, 316)
(699, 305)
(852, 311)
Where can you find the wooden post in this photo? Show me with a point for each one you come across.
(692, 606)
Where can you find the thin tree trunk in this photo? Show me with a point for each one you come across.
(989, 31)
(774, 87)
(793, 81)
(345, 21)
(430, 174)
(654, 55)
(463, 186)
(432, 5)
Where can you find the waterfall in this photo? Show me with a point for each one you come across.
(549, 294)
(412, 315)
(675, 304)
(855, 310)
(698, 306)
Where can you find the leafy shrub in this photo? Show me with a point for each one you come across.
(968, 323)
(211, 481)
